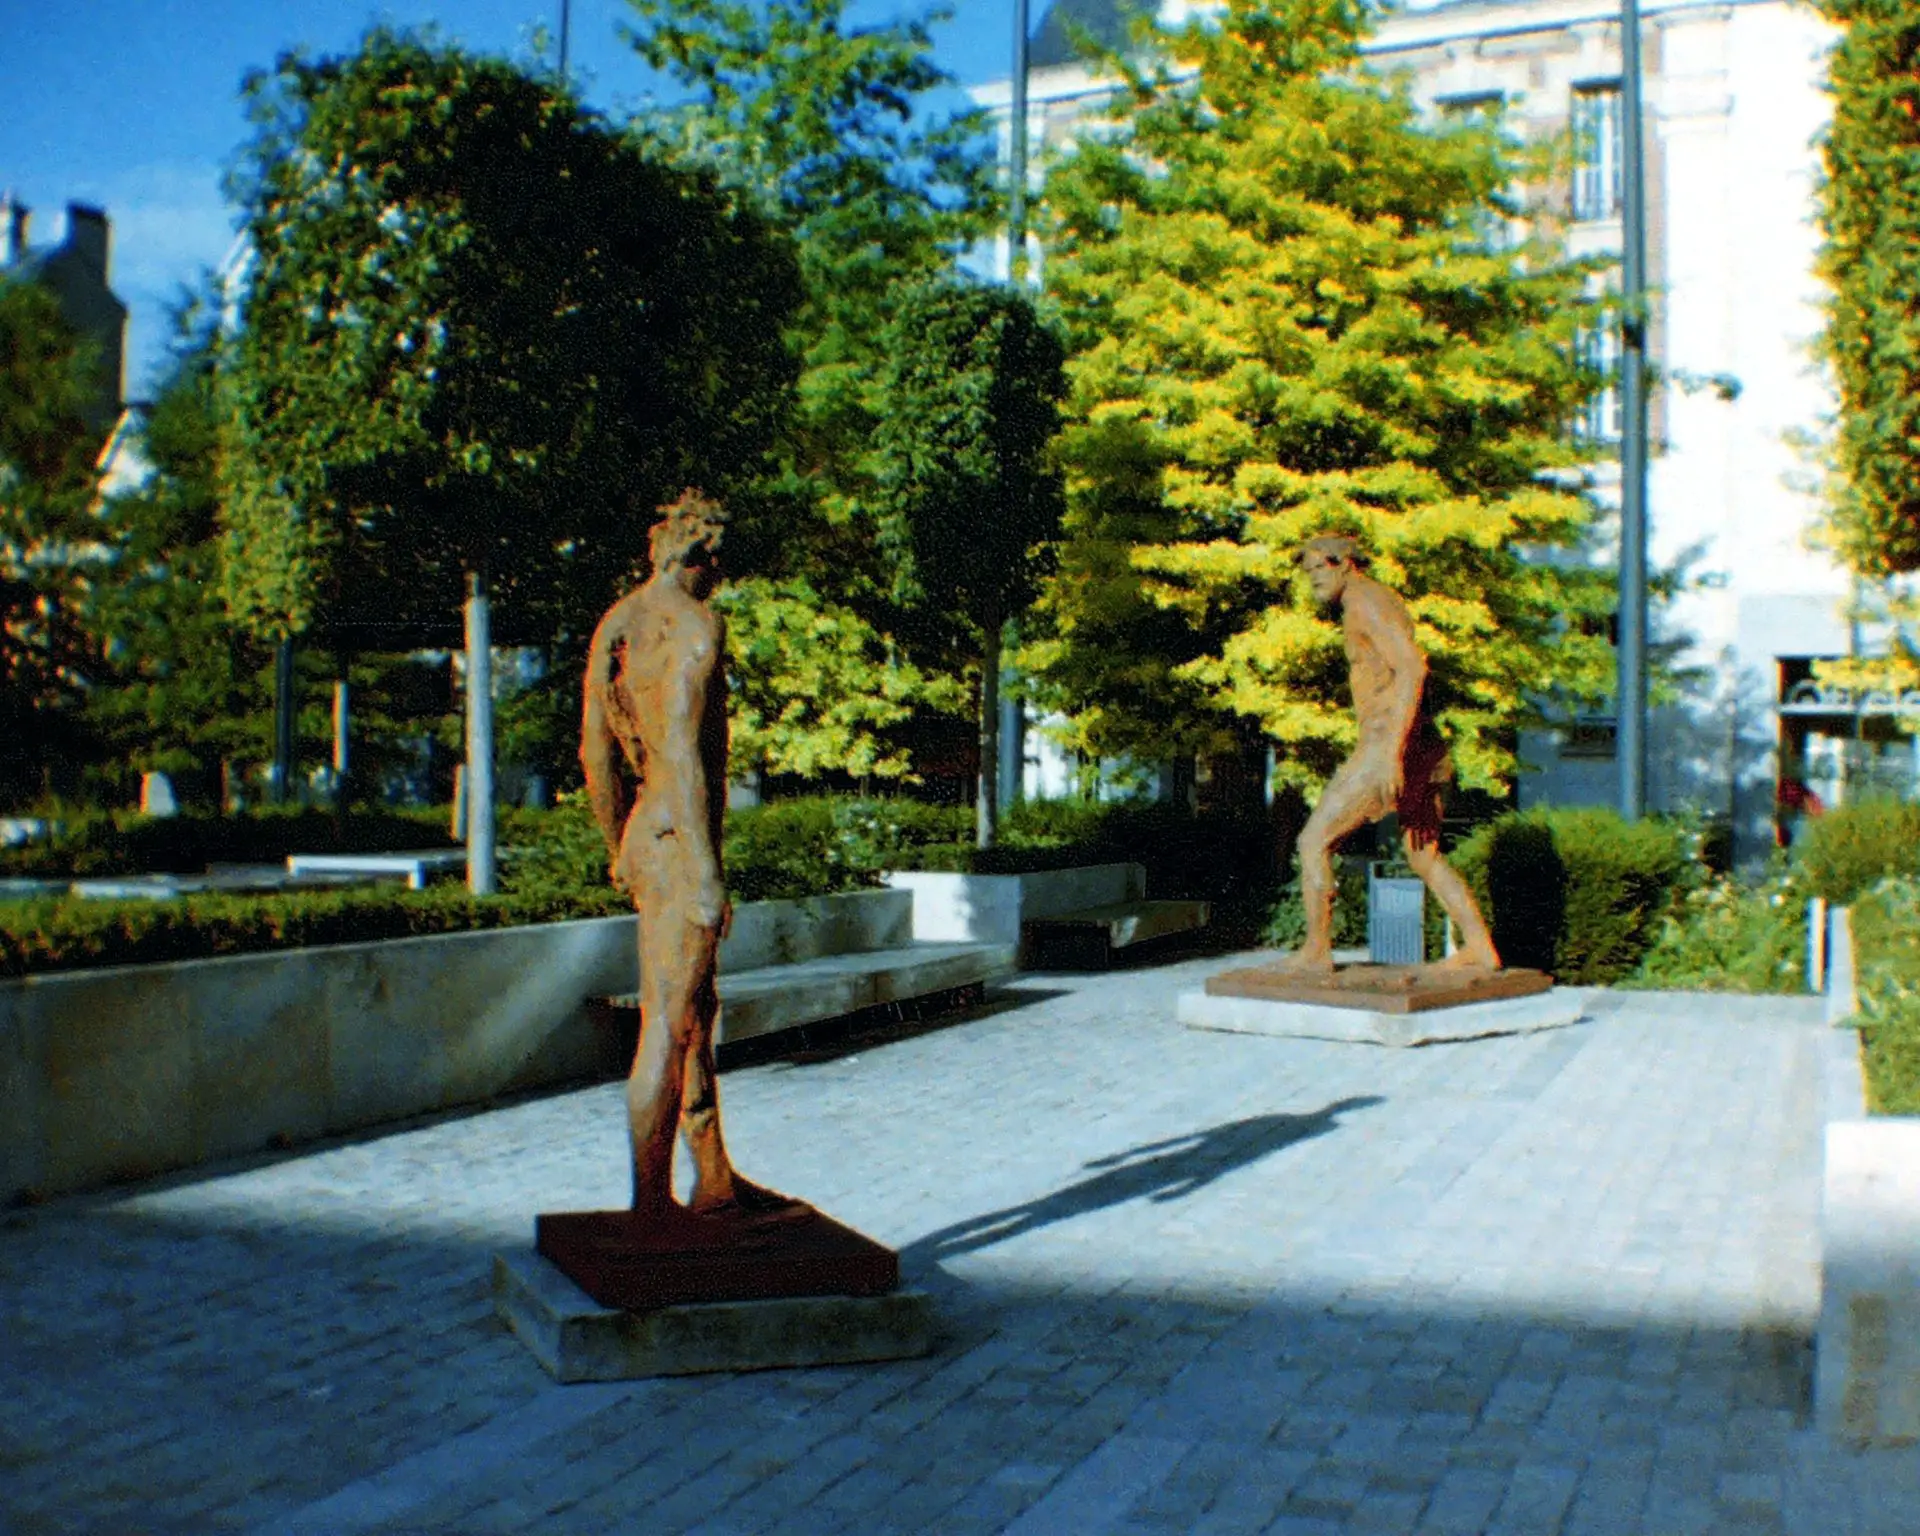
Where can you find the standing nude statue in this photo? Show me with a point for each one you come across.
(1400, 764)
(653, 741)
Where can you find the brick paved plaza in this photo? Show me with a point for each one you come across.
(1204, 1283)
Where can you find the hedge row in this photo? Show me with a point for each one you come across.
(1886, 936)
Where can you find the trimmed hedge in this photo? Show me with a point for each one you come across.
(554, 867)
(1578, 892)
(1886, 937)
(128, 843)
(1854, 846)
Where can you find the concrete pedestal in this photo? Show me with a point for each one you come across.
(577, 1339)
(1378, 1026)
(1867, 1352)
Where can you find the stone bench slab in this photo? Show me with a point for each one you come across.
(416, 867)
(769, 998)
(1128, 922)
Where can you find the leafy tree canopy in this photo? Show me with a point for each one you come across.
(1870, 211)
(1287, 318)
(49, 384)
(482, 331)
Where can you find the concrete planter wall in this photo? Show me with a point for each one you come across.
(1867, 1348)
(989, 909)
(136, 1070)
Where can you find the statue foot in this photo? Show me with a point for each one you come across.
(1472, 959)
(1305, 964)
(740, 1195)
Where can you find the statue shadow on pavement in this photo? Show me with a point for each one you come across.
(1159, 1171)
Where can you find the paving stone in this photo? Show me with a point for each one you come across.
(1558, 1285)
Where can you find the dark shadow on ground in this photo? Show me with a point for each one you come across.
(1159, 1171)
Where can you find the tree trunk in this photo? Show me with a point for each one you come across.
(480, 854)
(987, 804)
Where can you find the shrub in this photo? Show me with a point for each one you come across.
(1853, 846)
(1727, 937)
(1578, 892)
(1886, 936)
(1286, 926)
(126, 842)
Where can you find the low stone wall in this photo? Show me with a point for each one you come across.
(126, 1072)
(1867, 1350)
(989, 909)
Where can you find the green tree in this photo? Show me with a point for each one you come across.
(176, 684)
(1870, 211)
(1286, 319)
(967, 493)
(49, 380)
(482, 333)
(827, 130)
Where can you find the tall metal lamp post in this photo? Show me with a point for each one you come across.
(1010, 770)
(1631, 703)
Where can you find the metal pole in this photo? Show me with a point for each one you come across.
(566, 17)
(1017, 151)
(1632, 700)
(480, 862)
(282, 783)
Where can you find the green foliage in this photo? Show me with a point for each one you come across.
(1870, 212)
(829, 132)
(967, 497)
(816, 688)
(1848, 849)
(1726, 936)
(1578, 892)
(175, 686)
(1285, 319)
(482, 332)
(1286, 925)
(49, 388)
(1886, 937)
(125, 842)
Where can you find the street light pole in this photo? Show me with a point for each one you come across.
(1017, 150)
(1631, 702)
(566, 18)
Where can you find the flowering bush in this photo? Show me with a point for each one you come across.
(1729, 937)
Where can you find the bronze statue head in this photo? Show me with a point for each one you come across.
(1328, 560)
(687, 536)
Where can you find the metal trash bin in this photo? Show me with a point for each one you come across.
(1396, 918)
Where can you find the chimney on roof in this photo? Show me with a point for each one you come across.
(87, 235)
(13, 228)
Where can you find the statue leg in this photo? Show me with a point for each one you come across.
(1346, 803)
(1420, 807)
(716, 1182)
(657, 1084)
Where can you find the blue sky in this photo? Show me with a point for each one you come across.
(134, 105)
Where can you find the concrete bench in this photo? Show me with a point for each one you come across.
(791, 963)
(1095, 933)
(416, 867)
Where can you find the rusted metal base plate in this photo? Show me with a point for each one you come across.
(1380, 988)
(623, 1261)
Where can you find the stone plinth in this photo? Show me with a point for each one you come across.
(1380, 1004)
(578, 1339)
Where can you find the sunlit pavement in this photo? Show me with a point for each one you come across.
(1562, 1283)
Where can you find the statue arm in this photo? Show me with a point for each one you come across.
(600, 753)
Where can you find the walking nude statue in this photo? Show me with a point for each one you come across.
(1401, 764)
(653, 742)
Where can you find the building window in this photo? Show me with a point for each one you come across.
(1488, 226)
(1597, 187)
(1598, 350)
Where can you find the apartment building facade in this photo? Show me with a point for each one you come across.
(1734, 107)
